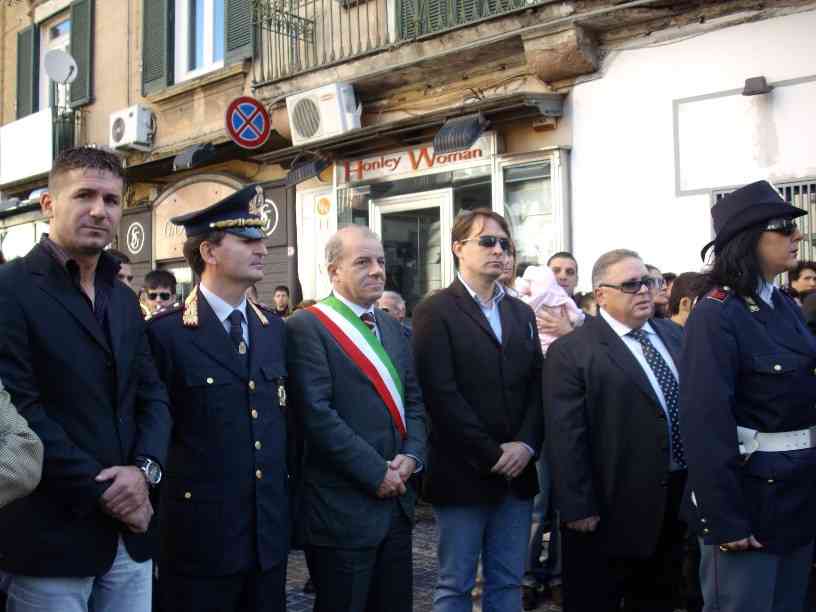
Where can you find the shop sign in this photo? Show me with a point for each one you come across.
(272, 209)
(135, 238)
(419, 160)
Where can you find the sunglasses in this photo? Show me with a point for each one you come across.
(786, 227)
(155, 295)
(489, 242)
(128, 278)
(633, 286)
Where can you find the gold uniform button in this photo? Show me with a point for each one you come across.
(258, 445)
(251, 385)
(705, 530)
(770, 481)
(210, 380)
(703, 521)
(814, 371)
(258, 474)
(254, 413)
(188, 495)
(777, 368)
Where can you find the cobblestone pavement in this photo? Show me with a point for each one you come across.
(425, 569)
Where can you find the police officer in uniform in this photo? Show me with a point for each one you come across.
(748, 412)
(224, 511)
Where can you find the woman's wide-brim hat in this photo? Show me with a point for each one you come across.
(747, 207)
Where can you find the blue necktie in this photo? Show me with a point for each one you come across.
(668, 384)
(236, 333)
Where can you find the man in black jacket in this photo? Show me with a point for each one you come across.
(614, 447)
(479, 365)
(76, 362)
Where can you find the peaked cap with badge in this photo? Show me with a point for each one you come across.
(746, 207)
(234, 214)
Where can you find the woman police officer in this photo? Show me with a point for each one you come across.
(748, 412)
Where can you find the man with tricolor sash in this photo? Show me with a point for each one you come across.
(354, 392)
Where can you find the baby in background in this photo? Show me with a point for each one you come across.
(540, 289)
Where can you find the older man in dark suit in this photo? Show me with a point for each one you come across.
(611, 409)
(354, 391)
(75, 359)
(479, 364)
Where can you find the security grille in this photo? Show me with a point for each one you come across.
(803, 195)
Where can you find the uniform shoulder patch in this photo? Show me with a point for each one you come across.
(719, 294)
(177, 307)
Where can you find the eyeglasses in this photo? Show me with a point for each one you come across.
(786, 227)
(633, 286)
(155, 295)
(489, 242)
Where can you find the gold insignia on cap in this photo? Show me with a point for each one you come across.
(261, 316)
(220, 225)
(190, 316)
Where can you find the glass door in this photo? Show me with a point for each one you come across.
(415, 231)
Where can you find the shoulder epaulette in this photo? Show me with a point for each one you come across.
(719, 294)
(177, 307)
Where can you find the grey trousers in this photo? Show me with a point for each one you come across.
(754, 581)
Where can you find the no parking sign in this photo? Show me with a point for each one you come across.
(248, 122)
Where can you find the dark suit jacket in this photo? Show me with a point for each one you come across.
(479, 394)
(348, 434)
(92, 402)
(217, 517)
(607, 437)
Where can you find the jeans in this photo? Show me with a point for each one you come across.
(125, 588)
(499, 533)
(545, 519)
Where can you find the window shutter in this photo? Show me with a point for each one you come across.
(28, 48)
(82, 45)
(157, 72)
(238, 31)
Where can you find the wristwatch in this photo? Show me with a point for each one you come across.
(151, 469)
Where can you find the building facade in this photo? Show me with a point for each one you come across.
(590, 124)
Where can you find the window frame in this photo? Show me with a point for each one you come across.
(47, 89)
(182, 30)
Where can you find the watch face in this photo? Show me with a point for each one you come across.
(153, 473)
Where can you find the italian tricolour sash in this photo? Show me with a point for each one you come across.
(367, 353)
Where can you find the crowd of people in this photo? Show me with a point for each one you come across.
(644, 446)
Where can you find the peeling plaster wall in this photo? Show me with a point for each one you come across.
(623, 157)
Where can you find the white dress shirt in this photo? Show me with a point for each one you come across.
(223, 310)
(636, 349)
(765, 291)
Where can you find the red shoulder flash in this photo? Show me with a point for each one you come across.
(718, 293)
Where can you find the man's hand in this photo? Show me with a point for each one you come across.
(127, 493)
(392, 484)
(553, 325)
(744, 544)
(585, 525)
(139, 520)
(404, 464)
(515, 457)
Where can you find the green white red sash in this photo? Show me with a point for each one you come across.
(367, 352)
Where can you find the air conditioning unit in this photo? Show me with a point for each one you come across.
(324, 112)
(131, 128)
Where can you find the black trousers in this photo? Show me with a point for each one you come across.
(376, 579)
(595, 582)
(253, 591)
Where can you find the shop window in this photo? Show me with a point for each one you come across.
(528, 208)
(184, 279)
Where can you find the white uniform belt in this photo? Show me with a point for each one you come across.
(751, 440)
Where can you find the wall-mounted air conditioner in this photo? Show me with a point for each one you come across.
(131, 128)
(324, 112)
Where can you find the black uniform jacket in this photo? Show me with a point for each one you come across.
(745, 363)
(92, 395)
(224, 501)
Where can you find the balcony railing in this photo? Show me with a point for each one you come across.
(296, 36)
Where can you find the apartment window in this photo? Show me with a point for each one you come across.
(57, 36)
(199, 37)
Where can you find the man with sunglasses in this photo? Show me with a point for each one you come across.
(160, 290)
(479, 365)
(614, 446)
